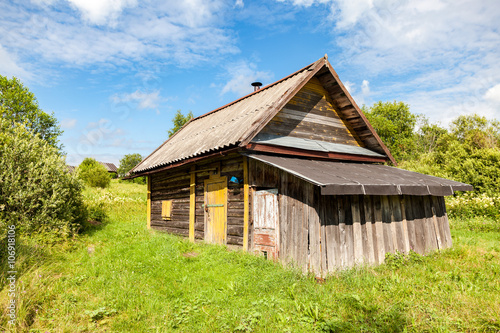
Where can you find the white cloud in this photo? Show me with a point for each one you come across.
(240, 76)
(239, 4)
(163, 32)
(365, 88)
(493, 94)
(347, 12)
(144, 100)
(102, 11)
(349, 86)
(304, 3)
(68, 123)
(9, 66)
(441, 55)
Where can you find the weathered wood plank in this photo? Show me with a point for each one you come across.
(356, 230)
(331, 221)
(430, 234)
(311, 114)
(387, 220)
(349, 232)
(321, 204)
(397, 224)
(437, 229)
(379, 229)
(406, 240)
(370, 248)
(419, 223)
(314, 229)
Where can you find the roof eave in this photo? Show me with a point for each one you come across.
(361, 114)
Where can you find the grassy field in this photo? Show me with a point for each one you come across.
(121, 277)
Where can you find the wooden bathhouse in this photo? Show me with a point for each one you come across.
(295, 172)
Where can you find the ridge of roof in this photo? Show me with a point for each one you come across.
(258, 90)
(227, 105)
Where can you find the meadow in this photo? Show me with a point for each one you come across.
(119, 276)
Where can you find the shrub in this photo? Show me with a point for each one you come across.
(471, 205)
(96, 211)
(37, 193)
(93, 173)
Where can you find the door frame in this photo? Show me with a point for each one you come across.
(212, 180)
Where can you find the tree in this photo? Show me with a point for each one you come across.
(395, 125)
(19, 106)
(179, 121)
(476, 131)
(93, 173)
(428, 135)
(37, 193)
(128, 162)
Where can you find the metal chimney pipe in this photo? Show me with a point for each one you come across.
(256, 85)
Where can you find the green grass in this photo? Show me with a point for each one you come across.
(121, 277)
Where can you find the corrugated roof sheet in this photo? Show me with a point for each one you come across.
(221, 128)
(110, 167)
(308, 144)
(370, 179)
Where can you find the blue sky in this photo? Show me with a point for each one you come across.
(115, 71)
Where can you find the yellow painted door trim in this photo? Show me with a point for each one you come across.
(148, 209)
(246, 212)
(215, 206)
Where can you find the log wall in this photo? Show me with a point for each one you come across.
(324, 233)
(174, 185)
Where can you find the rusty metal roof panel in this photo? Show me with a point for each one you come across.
(370, 179)
(223, 127)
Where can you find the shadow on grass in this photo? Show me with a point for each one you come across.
(91, 227)
(361, 317)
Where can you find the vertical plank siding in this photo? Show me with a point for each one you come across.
(325, 233)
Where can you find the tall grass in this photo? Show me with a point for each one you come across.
(121, 277)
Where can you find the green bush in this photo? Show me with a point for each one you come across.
(37, 193)
(93, 173)
(96, 211)
(469, 205)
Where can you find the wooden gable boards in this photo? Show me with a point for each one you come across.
(354, 128)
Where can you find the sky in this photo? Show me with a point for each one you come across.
(114, 72)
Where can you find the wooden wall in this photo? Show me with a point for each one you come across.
(310, 115)
(174, 185)
(324, 233)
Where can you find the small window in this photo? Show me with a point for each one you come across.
(166, 209)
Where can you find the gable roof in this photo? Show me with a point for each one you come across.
(237, 123)
(110, 167)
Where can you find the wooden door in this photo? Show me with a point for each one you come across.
(266, 226)
(216, 210)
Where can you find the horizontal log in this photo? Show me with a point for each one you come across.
(234, 240)
(177, 231)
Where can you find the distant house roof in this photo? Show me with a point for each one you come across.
(237, 123)
(110, 167)
(370, 179)
(71, 168)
